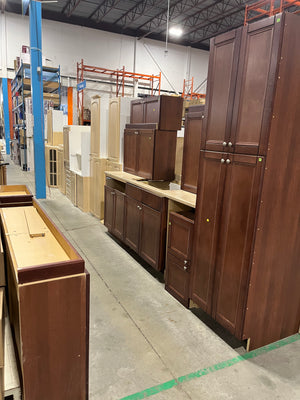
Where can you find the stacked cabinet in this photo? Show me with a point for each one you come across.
(150, 138)
(244, 264)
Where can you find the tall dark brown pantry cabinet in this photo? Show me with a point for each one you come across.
(246, 250)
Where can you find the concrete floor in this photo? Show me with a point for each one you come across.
(141, 337)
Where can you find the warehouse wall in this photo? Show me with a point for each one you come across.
(66, 44)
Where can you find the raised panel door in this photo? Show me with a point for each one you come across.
(146, 143)
(255, 86)
(118, 228)
(180, 236)
(113, 140)
(95, 126)
(178, 279)
(150, 235)
(137, 112)
(130, 150)
(242, 186)
(152, 110)
(109, 207)
(208, 207)
(223, 63)
(132, 223)
(191, 151)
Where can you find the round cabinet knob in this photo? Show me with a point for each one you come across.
(222, 160)
(185, 268)
(227, 161)
(185, 262)
(136, 132)
(229, 144)
(202, 117)
(224, 144)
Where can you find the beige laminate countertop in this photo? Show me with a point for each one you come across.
(161, 189)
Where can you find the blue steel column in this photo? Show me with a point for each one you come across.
(35, 17)
(6, 114)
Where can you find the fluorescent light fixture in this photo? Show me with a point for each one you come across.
(175, 31)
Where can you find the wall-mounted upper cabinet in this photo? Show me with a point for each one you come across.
(164, 111)
(150, 153)
(241, 87)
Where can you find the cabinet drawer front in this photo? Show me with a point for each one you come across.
(133, 191)
(152, 201)
(180, 235)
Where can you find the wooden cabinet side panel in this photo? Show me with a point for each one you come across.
(170, 113)
(273, 310)
(191, 152)
(208, 208)
(53, 334)
(242, 188)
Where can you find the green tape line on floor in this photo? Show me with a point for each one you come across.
(205, 371)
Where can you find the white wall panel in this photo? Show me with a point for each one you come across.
(67, 44)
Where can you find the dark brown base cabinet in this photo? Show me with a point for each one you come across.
(138, 218)
(150, 153)
(180, 239)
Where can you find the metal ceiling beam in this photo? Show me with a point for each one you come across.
(176, 10)
(103, 9)
(70, 7)
(213, 15)
(221, 26)
(136, 11)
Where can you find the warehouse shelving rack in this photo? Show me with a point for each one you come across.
(118, 77)
(20, 89)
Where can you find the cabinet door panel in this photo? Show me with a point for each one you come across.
(255, 86)
(130, 151)
(132, 223)
(150, 235)
(145, 153)
(109, 206)
(209, 197)
(119, 215)
(180, 236)
(177, 279)
(223, 64)
(191, 151)
(137, 112)
(152, 108)
(242, 185)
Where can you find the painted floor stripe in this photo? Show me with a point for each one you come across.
(205, 371)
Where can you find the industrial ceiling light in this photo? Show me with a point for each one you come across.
(175, 31)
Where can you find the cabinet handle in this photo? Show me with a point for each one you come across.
(136, 132)
(185, 262)
(229, 144)
(228, 161)
(224, 144)
(185, 268)
(139, 207)
(222, 160)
